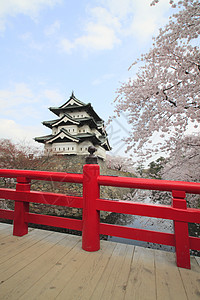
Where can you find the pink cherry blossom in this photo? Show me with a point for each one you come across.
(165, 95)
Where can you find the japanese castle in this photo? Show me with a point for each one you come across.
(77, 127)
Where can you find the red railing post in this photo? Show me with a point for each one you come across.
(91, 219)
(181, 232)
(20, 227)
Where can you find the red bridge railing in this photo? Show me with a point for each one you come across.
(91, 204)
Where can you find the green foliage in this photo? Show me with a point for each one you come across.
(155, 168)
(140, 169)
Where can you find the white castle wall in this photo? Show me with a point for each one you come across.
(73, 148)
(84, 129)
(101, 152)
(77, 114)
(64, 148)
(72, 129)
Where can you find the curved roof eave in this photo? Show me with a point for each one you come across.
(66, 133)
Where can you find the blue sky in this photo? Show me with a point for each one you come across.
(51, 47)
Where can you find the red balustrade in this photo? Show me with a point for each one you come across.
(91, 204)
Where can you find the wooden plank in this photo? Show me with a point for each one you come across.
(113, 282)
(53, 282)
(83, 282)
(191, 280)
(169, 284)
(4, 226)
(25, 257)
(197, 259)
(33, 248)
(8, 241)
(141, 283)
(15, 245)
(11, 240)
(66, 272)
(21, 281)
(5, 231)
(51, 265)
(121, 282)
(110, 254)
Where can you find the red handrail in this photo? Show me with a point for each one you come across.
(42, 175)
(150, 184)
(91, 204)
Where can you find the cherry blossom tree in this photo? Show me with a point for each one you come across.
(119, 163)
(184, 161)
(164, 97)
(19, 155)
(182, 164)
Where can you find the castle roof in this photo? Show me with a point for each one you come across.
(72, 105)
(67, 119)
(65, 136)
(73, 101)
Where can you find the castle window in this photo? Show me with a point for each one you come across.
(86, 148)
(77, 116)
(83, 130)
(81, 149)
(81, 115)
(64, 149)
(68, 148)
(72, 148)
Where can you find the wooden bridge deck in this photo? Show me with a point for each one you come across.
(51, 265)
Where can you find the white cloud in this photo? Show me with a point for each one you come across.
(19, 94)
(22, 105)
(30, 8)
(147, 19)
(98, 37)
(52, 29)
(53, 96)
(28, 38)
(120, 8)
(9, 129)
(101, 15)
(107, 24)
(100, 32)
(66, 46)
(20, 101)
(137, 18)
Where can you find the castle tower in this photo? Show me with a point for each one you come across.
(77, 127)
